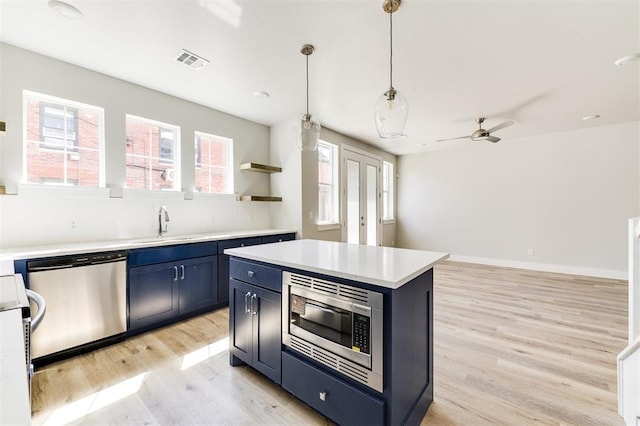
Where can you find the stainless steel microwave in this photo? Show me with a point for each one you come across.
(335, 324)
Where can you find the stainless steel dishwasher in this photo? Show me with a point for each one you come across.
(86, 300)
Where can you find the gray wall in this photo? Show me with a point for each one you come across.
(567, 196)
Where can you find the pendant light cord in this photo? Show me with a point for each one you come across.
(307, 57)
(391, 45)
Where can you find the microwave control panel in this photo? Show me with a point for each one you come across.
(361, 333)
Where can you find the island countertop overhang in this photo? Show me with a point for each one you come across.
(386, 267)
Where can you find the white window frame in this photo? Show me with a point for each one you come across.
(229, 189)
(70, 153)
(388, 201)
(177, 171)
(334, 222)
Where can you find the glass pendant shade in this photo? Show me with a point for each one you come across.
(307, 131)
(391, 114)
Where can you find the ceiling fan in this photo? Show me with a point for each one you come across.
(482, 134)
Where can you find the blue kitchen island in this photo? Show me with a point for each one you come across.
(347, 329)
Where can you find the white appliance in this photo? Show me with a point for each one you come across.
(16, 369)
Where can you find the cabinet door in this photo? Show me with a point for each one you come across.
(153, 294)
(267, 333)
(197, 282)
(240, 320)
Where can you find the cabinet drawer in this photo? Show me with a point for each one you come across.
(253, 273)
(343, 403)
(171, 253)
(238, 242)
(278, 238)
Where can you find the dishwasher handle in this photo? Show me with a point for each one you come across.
(42, 308)
(76, 260)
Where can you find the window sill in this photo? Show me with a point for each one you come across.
(55, 191)
(328, 226)
(209, 196)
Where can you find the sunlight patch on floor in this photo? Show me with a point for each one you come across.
(204, 353)
(96, 401)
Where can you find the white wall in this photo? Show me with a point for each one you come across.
(47, 218)
(567, 196)
(284, 153)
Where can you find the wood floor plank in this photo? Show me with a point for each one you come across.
(511, 347)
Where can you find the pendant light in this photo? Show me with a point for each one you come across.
(307, 129)
(391, 108)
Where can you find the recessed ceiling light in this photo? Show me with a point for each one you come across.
(590, 117)
(261, 94)
(628, 59)
(65, 9)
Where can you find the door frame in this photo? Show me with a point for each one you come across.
(349, 151)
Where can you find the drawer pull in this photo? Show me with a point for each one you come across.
(251, 274)
(254, 307)
(247, 309)
(323, 396)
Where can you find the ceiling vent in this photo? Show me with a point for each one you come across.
(191, 59)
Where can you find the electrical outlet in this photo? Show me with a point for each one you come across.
(530, 252)
(74, 224)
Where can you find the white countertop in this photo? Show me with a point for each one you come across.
(98, 246)
(382, 266)
(15, 406)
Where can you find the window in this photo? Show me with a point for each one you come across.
(387, 191)
(63, 143)
(327, 183)
(214, 164)
(152, 154)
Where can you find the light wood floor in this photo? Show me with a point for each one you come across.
(512, 347)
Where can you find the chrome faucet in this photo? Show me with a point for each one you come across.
(163, 218)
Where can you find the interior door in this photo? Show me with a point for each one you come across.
(361, 198)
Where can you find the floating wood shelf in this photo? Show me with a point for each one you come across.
(263, 168)
(259, 198)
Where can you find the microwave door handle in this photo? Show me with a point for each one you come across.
(320, 308)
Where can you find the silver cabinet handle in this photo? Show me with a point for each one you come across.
(175, 273)
(251, 274)
(323, 396)
(247, 310)
(254, 307)
(182, 272)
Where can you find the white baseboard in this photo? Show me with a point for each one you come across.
(545, 267)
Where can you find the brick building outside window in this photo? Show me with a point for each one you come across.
(63, 141)
(152, 154)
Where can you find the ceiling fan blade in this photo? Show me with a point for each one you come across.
(500, 126)
(452, 139)
(493, 139)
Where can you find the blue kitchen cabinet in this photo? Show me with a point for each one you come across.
(223, 263)
(223, 259)
(197, 284)
(255, 328)
(169, 283)
(153, 295)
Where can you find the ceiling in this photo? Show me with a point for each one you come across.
(543, 64)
